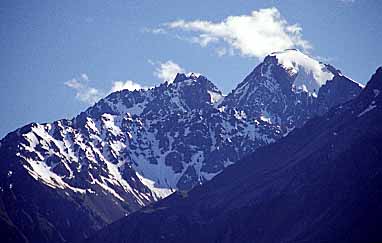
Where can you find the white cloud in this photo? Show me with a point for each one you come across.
(255, 35)
(221, 51)
(166, 71)
(89, 95)
(74, 84)
(204, 39)
(155, 30)
(85, 77)
(84, 92)
(129, 85)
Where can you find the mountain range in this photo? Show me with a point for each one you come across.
(321, 183)
(133, 148)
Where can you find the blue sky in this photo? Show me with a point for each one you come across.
(57, 57)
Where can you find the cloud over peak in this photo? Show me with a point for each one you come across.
(129, 85)
(166, 71)
(88, 94)
(255, 35)
(84, 92)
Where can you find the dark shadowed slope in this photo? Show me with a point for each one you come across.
(321, 183)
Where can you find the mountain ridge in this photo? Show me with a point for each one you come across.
(321, 183)
(135, 147)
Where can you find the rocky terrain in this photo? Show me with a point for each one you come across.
(133, 148)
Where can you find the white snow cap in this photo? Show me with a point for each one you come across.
(311, 74)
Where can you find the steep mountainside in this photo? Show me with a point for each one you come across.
(133, 148)
(321, 183)
(288, 88)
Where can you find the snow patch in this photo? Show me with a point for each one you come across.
(215, 97)
(108, 121)
(265, 117)
(376, 92)
(240, 115)
(311, 74)
(158, 191)
(369, 108)
(41, 172)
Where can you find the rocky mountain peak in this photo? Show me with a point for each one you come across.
(193, 85)
(308, 74)
(285, 86)
(180, 77)
(376, 80)
(371, 96)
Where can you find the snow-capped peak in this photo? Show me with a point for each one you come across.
(310, 73)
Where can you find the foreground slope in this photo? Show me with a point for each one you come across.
(321, 183)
